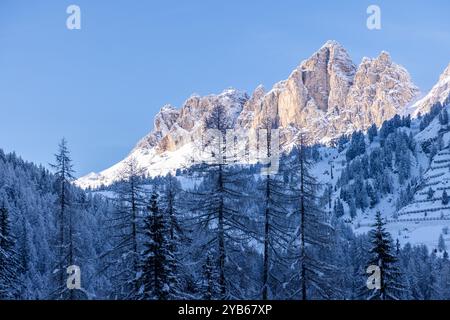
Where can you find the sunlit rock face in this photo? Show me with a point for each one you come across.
(326, 96)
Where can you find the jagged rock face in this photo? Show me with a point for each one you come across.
(439, 93)
(164, 121)
(328, 76)
(381, 90)
(196, 109)
(326, 96)
(173, 128)
(317, 86)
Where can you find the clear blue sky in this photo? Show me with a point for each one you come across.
(101, 86)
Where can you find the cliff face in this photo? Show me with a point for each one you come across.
(326, 96)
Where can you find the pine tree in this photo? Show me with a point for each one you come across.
(177, 239)
(441, 271)
(338, 208)
(210, 286)
(383, 256)
(313, 230)
(445, 199)
(156, 266)
(216, 208)
(372, 132)
(342, 141)
(373, 197)
(124, 257)
(9, 263)
(430, 194)
(275, 224)
(65, 240)
(357, 146)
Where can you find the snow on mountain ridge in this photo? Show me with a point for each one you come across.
(439, 93)
(327, 95)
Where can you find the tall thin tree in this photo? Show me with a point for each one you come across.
(215, 208)
(275, 222)
(64, 176)
(124, 255)
(156, 267)
(313, 228)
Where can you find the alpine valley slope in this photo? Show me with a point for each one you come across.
(327, 95)
(417, 210)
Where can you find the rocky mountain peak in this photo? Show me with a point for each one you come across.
(164, 120)
(328, 69)
(385, 57)
(327, 95)
(381, 90)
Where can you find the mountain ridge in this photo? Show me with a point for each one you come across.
(438, 94)
(327, 95)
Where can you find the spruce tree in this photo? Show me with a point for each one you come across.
(313, 231)
(178, 240)
(275, 226)
(372, 132)
(156, 268)
(445, 199)
(65, 239)
(209, 283)
(430, 193)
(338, 208)
(215, 207)
(123, 258)
(383, 256)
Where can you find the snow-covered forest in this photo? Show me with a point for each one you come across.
(225, 231)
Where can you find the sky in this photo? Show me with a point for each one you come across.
(101, 86)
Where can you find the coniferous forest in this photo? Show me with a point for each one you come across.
(222, 231)
(210, 159)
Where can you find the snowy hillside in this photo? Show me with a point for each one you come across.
(417, 209)
(409, 186)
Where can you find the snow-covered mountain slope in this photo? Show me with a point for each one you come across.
(326, 96)
(439, 93)
(417, 210)
(170, 146)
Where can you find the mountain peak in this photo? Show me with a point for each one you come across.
(332, 44)
(167, 108)
(230, 91)
(331, 51)
(384, 56)
(327, 95)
